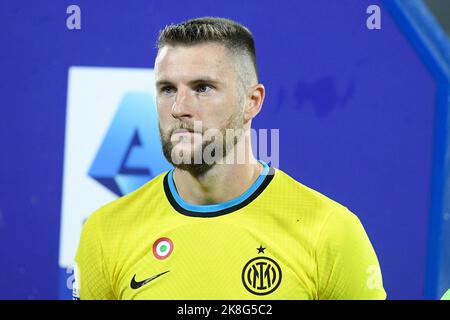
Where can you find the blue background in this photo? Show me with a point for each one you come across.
(356, 109)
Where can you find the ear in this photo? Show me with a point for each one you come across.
(255, 99)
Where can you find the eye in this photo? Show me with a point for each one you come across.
(203, 88)
(167, 90)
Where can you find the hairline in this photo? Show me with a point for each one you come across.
(241, 60)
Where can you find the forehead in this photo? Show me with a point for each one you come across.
(209, 59)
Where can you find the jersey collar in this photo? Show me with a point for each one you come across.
(214, 210)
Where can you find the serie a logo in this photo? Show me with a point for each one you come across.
(261, 275)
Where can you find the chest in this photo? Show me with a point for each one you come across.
(217, 260)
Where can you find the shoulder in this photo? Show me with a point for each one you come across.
(307, 199)
(128, 207)
(324, 217)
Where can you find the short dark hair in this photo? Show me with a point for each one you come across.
(234, 36)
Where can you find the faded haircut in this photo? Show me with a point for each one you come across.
(234, 36)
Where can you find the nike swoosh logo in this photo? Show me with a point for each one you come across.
(137, 284)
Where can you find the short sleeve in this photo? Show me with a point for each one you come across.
(347, 266)
(93, 282)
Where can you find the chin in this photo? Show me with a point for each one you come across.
(187, 148)
(195, 169)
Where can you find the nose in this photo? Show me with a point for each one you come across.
(182, 106)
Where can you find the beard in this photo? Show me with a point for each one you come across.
(234, 122)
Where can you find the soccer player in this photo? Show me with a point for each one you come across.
(218, 228)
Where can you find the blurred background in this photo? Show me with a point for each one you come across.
(358, 89)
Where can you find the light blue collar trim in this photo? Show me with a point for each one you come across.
(218, 206)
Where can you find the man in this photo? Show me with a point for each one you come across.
(221, 224)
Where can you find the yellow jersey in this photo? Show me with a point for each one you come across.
(278, 240)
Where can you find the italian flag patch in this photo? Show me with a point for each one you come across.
(162, 248)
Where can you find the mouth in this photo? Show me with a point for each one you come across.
(183, 133)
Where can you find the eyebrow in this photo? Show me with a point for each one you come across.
(194, 82)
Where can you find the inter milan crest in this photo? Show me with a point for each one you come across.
(261, 275)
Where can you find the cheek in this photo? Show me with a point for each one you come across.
(222, 114)
(216, 112)
(163, 121)
(163, 111)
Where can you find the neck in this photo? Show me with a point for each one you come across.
(221, 183)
